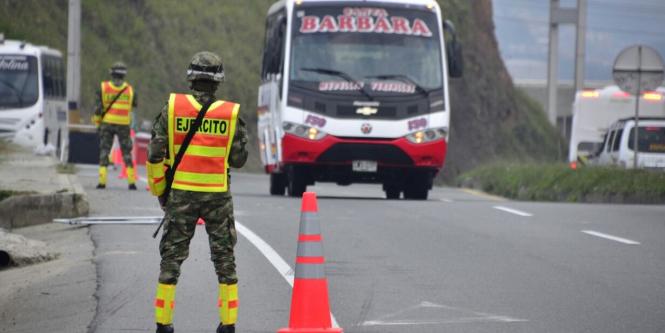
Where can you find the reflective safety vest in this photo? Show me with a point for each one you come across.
(203, 166)
(119, 113)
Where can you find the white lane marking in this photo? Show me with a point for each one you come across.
(445, 200)
(610, 237)
(513, 211)
(469, 316)
(275, 259)
(464, 320)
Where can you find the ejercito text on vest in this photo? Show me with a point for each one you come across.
(208, 126)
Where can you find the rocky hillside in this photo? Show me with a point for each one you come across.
(156, 38)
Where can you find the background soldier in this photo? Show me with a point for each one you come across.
(113, 116)
(200, 186)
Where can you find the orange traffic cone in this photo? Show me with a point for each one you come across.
(310, 310)
(116, 157)
(123, 171)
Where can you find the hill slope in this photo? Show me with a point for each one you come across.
(156, 38)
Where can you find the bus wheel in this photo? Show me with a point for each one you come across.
(418, 187)
(277, 183)
(296, 184)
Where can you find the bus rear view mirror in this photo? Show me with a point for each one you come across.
(453, 51)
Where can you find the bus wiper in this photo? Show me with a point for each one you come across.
(403, 78)
(347, 77)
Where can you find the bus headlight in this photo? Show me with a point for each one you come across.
(311, 133)
(428, 135)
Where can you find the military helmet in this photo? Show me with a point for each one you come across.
(205, 66)
(118, 68)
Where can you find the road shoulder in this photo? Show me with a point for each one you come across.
(55, 296)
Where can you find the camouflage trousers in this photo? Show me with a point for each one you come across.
(182, 212)
(106, 133)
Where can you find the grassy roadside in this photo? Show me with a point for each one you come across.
(557, 182)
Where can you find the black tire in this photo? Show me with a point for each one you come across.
(392, 192)
(296, 184)
(418, 186)
(277, 183)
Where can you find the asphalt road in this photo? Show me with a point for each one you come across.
(459, 262)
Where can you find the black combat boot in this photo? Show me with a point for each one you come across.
(226, 328)
(132, 187)
(101, 186)
(164, 328)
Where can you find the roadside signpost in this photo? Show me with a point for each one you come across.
(636, 70)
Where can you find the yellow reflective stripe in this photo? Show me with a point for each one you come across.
(232, 130)
(201, 178)
(172, 151)
(115, 119)
(228, 303)
(205, 151)
(194, 188)
(164, 303)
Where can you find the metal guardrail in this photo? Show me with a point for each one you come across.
(111, 220)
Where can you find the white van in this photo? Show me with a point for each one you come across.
(595, 110)
(618, 145)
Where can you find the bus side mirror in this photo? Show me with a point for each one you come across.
(453, 51)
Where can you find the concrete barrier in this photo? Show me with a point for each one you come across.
(26, 210)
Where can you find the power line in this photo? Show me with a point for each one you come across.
(650, 10)
(531, 21)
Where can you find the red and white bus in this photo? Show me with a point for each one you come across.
(356, 92)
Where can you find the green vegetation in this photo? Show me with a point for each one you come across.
(557, 182)
(4, 194)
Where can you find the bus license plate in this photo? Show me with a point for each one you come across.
(364, 166)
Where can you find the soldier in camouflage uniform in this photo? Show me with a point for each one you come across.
(184, 207)
(113, 116)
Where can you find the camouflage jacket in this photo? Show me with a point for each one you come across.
(158, 147)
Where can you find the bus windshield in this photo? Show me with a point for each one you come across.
(368, 51)
(650, 139)
(19, 86)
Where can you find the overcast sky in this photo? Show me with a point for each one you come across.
(522, 32)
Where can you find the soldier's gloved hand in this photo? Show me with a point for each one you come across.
(96, 120)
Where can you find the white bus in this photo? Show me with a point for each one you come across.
(356, 92)
(33, 110)
(594, 110)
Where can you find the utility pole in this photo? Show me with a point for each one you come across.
(74, 62)
(558, 16)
